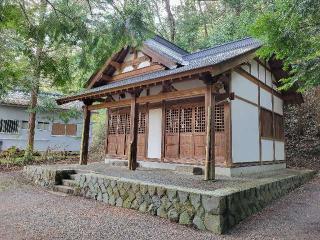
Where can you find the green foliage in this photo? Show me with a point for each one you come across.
(97, 147)
(47, 105)
(12, 152)
(290, 30)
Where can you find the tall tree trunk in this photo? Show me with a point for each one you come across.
(33, 105)
(171, 20)
(32, 118)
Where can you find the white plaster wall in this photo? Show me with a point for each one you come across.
(279, 150)
(144, 64)
(155, 132)
(269, 78)
(245, 67)
(254, 68)
(244, 88)
(127, 69)
(143, 93)
(154, 90)
(267, 150)
(262, 73)
(43, 138)
(265, 99)
(189, 84)
(278, 105)
(245, 132)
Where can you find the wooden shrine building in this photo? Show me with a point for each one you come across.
(218, 107)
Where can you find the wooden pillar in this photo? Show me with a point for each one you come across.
(132, 155)
(210, 137)
(163, 130)
(85, 136)
(107, 130)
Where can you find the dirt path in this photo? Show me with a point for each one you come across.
(30, 212)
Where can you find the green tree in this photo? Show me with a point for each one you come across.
(46, 35)
(290, 32)
(55, 44)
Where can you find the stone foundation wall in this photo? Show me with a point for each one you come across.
(203, 209)
(44, 176)
(215, 211)
(245, 202)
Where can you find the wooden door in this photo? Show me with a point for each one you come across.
(141, 145)
(185, 136)
(119, 133)
(172, 133)
(199, 133)
(220, 134)
(112, 134)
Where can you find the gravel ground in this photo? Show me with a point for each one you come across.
(30, 212)
(169, 177)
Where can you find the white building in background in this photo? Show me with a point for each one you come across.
(51, 132)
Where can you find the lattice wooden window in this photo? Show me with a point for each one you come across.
(219, 118)
(266, 123)
(122, 120)
(142, 123)
(200, 119)
(172, 120)
(113, 124)
(128, 125)
(186, 120)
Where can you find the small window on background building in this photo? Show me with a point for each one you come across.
(60, 129)
(43, 126)
(9, 126)
(71, 129)
(24, 124)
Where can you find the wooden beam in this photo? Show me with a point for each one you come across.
(154, 98)
(105, 78)
(210, 137)
(85, 136)
(132, 155)
(99, 74)
(116, 65)
(137, 72)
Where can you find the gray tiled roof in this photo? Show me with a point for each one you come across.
(226, 47)
(189, 61)
(174, 54)
(22, 99)
(170, 45)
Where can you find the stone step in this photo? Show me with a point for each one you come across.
(63, 189)
(68, 182)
